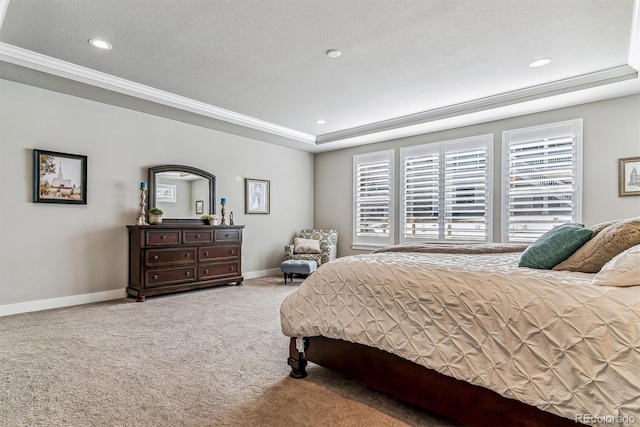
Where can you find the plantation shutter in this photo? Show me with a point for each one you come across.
(421, 219)
(373, 198)
(446, 187)
(542, 169)
(465, 192)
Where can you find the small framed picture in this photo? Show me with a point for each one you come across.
(629, 176)
(166, 193)
(59, 177)
(256, 196)
(199, 207)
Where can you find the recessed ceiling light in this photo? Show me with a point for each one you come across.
(333, 53)
(100, 44)
(540, 63)
(320, 122)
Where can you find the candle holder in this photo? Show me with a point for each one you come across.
(222, 212)
(143, 204)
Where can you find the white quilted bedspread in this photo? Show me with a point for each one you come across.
(546, 338)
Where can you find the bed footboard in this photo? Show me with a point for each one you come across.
(458, 400)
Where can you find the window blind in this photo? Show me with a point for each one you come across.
(373, 198)
(542, 180)
(446, 188)
(421, 217)
(465, 194)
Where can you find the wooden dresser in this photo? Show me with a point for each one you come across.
(179, 257)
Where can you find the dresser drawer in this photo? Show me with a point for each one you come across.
(208, 253)
(162, 257)
(161, 237)
(169, 276)
(203, 236)
(222, 269)
(227, 236)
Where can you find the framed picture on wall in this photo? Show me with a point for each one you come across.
(257, 193)
(199, 207)
(59, 177)
(629, 176)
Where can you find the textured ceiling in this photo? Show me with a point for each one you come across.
(266, 58)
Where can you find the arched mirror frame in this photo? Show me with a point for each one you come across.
(185, 169)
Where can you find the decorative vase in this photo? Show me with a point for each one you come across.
(155, 219)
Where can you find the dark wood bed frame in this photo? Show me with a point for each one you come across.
(458, 400)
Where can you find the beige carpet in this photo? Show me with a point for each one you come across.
(213, 357)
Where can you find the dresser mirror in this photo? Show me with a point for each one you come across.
(183, 193)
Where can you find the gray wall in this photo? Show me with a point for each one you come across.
(611, 131)
(49, 251)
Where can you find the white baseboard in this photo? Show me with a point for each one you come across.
(262, 273)
(47, 304)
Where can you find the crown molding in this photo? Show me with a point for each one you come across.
(4, 4)
(539, 105)
(634, 42)
(598, 78)
(47, 64)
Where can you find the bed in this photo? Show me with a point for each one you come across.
(468, 334)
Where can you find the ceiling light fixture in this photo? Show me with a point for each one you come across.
(540, 63)
(333, 53)
(100, 44)
(320, 122)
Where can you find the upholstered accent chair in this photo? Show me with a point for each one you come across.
(328, 246)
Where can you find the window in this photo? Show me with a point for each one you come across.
(542, 176)
(447, 191)
(373, 195)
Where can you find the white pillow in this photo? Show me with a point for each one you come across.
(622, 270)
(306, 246)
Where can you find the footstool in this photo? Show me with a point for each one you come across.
(297, 266)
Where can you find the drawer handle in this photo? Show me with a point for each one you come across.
(226, 235)
(163, 237)
(231, 251)
(197, 236)
(206, 271)
(206, 254)
(188, 254)
(155, 277)
(188, 273)
(156, 256)
(231, 268)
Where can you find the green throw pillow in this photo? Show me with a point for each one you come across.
(555, 246)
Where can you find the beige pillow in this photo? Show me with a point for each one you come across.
(608, 243)
(622, 270)
(306, 246)
(597, 228)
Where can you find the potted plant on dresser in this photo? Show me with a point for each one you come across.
(155, 215)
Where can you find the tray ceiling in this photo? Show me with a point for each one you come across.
(406, 65)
